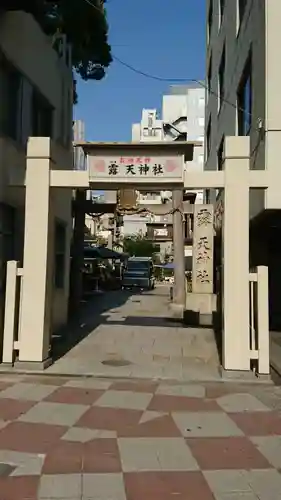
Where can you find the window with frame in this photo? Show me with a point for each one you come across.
(210, 20)
(11, 99)
(42, 116)
(222, 5)
(60, 250)
(220, 154)
(244, 100)
(222, 79)
(208, 138)
(241, 10)
(209, 77)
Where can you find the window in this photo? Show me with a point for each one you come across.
(209, 78)
(241, 10)
(210, 20)
(42, 116)
(244, 100)
(10, 99)
(60, 249)
(220, 154)
(222, 79)
(201, 121)
(222, 5)
(208, 137)
(207, 196)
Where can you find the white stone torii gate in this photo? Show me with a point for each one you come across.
(235, 180)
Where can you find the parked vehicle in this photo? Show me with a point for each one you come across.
(138, 273)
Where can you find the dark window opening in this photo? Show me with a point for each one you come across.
(222, 5)
(210, 76)
(60, 250)
(210, 19)
(242, 7)
(244, 100)
(10, 99)
(222, 80)
(208, 137)
(42, 116)
(220, 154)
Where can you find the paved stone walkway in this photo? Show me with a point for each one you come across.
(131, 332)
(110, 439)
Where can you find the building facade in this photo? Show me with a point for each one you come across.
(36, 96)
(242, 99)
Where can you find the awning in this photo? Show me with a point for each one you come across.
(102, 253)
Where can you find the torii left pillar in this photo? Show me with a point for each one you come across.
(37, 284)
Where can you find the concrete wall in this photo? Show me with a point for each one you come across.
(30, 52)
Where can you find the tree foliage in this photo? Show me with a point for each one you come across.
(139, 246)
(82, 21)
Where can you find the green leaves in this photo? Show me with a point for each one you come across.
(83, 23)
(139, 246)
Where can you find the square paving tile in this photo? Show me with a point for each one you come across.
(190, 391)
(270, 447)
(19, 488)
(56, 487)
(30, 438)
(10, 409)
(227, 453)
(234, 403)
(258, 423)
(113, 419)
(155, 454)
(27, 391)
(75, 395)
(54, 413)
(124, 399)
(161, 402)
(103, 487)
(196, 424)
(167, 486)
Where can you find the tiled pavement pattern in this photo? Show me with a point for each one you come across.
(101, 439)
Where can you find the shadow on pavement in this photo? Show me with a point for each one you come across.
(87, 319)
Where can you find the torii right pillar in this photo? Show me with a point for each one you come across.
(235, 241)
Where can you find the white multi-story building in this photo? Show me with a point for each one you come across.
(183, 111)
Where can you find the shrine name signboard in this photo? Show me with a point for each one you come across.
(136, 170)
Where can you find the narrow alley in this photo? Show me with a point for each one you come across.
(123, 334)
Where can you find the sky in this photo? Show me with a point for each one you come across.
(165, 38)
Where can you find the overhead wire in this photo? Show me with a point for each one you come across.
(169, 79)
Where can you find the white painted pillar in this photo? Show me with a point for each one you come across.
(236, 255)
(35, 321)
